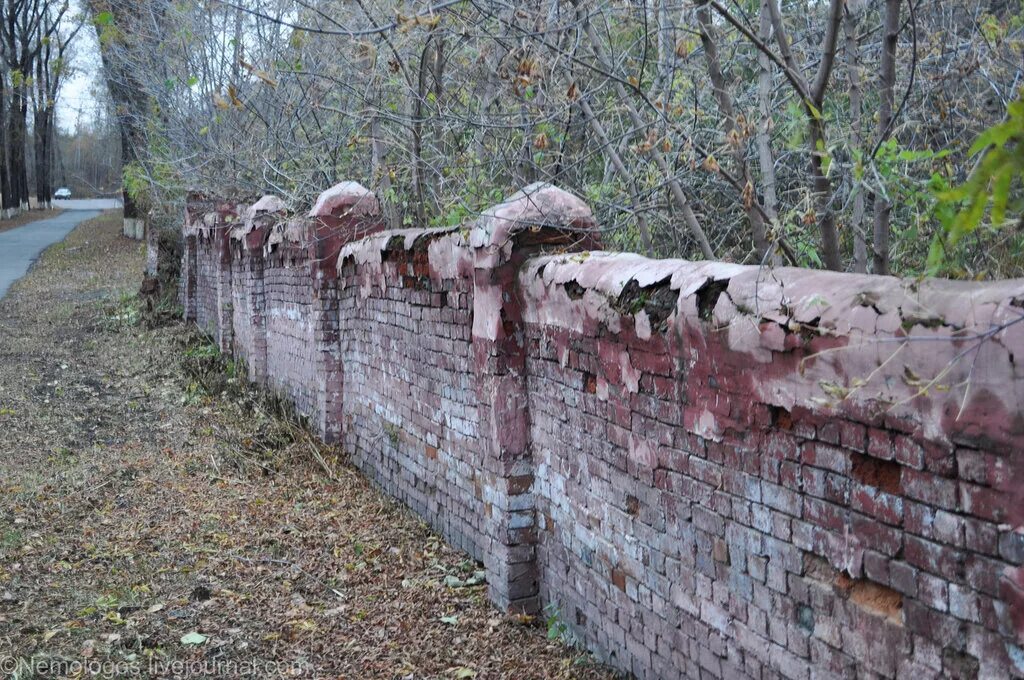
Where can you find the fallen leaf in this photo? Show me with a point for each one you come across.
(193, 638)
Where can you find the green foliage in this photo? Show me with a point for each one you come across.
(962, 209)
(203, 350)
(557, 628)
(476, 201)
(146, 182)
(108, 31)
(136, 182)
(911, 179)
(124, 312)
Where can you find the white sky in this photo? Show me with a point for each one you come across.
(77, 101)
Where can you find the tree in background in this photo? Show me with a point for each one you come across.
(35, 36)
(121, 30)
(51, 68)
(27, 29)
(820, 133)
(87, 157)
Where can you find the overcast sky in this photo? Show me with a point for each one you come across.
(77, 99)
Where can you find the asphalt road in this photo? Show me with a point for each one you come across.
(20, 247)
(88, 204)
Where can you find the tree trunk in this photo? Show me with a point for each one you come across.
(639, 126)
(622, 171)
(886, 87)
(19, 158)
(39, 153)
(7, 202)
(419, 166)
(134, 225)
(738, 143)
(129, 98)
(764, 142)
(50, 138)
(852, 51)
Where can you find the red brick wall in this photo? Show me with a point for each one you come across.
(705, 470)
(206, 268)
(249, 309)
(291, 364)
(410, 410)
(734, 479)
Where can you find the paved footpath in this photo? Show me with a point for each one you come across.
(20, 247)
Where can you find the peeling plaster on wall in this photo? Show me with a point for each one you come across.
(698, 464)
(855, 326)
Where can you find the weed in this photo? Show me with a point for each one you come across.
(557, 628)
(11, 540)
(123, 313)
(393, 433)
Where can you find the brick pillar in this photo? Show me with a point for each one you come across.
(187, 283)
(225, 316)
(537, 217)
(187, 287)
(196, 207)
(258, 219)
(345, 212)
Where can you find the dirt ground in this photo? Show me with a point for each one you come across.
(155, 520)
(28, 217)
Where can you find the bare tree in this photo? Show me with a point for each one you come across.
(692, 128)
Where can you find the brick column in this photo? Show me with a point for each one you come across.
(225, 316)
(187, 283)
(538, 217)
(345, 212)
(251, 235)
(187, 290)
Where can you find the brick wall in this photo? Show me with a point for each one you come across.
(206, 268)
(410, 408)
(289, 299)
(734, 476)
(705, 470)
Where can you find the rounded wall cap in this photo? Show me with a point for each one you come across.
(352, 197)
(539, 205)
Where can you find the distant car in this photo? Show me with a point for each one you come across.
(63, 192)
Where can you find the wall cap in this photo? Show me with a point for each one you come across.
(350, 197)
(539, 205)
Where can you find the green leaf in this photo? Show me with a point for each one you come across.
(1001, 196)
(193, 638)
(104, 18)
(936, 255)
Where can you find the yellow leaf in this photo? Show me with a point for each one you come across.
(259, 73)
